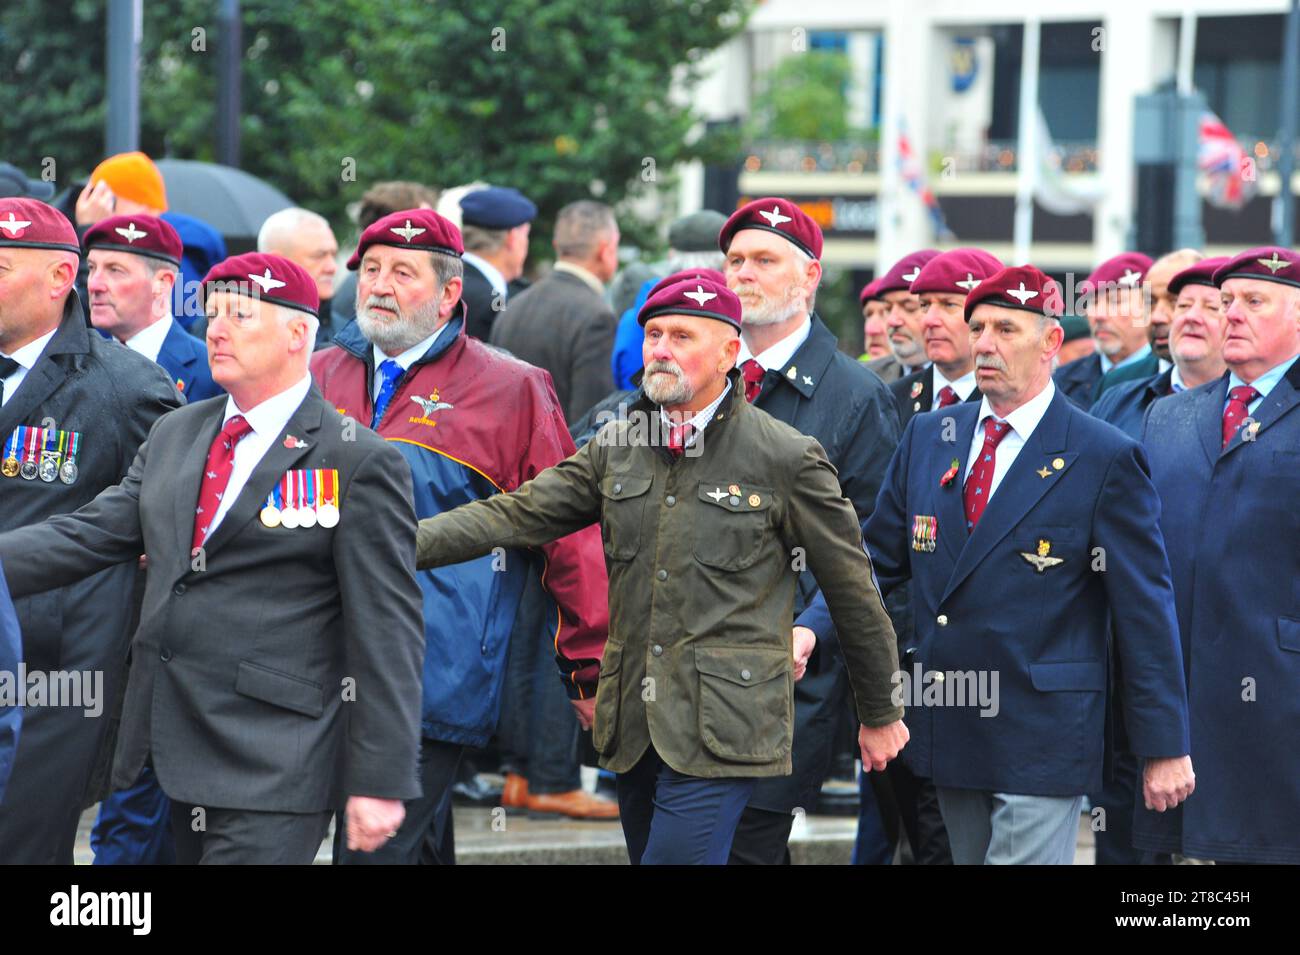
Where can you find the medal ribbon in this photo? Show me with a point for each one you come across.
(33, 436)
(74, 441)
(11, 446)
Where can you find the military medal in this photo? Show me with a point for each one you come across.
(925, 533)
(307, 512)
(68, 471)
(10, 466)
(289, 513)
(328, 512)
(271, 509)
(51, 456)
(30, 468)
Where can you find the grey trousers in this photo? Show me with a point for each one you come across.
(987, 828)
(245, 837)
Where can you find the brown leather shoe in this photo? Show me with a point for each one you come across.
(514, 794)
(576, 804)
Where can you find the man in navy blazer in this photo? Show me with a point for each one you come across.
(133, 262)
(1225, 459)
(1007, 686)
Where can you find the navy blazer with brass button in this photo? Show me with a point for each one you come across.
(1078, 492)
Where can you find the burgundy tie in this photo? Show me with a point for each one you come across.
(1234, 416)
(216, 475)
(947, 396)
(678, 435)
(753, 373)
(980, 481)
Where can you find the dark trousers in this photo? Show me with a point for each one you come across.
(1114, 841)
(426, 836)
(134, 825)
(538, 732)
(672, 819)
(875, 842)
(762, 838)
(918, 807)
(209, 836)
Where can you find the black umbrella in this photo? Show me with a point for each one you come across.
(230, 200)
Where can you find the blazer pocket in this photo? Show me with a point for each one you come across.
(624, 509)
(746, 702)
(280, 689)
(609, 691)
(1081, 675)
(1288, 633)
(731, 530)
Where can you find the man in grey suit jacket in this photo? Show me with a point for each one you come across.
(74, 409)
(563, 323)
(276, 668)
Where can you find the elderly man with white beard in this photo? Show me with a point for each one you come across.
(471, 422)
(793, 369)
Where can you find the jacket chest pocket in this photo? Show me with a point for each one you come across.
(732, 527)
(625, 497)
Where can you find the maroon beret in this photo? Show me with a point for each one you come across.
(713, 275)
(411, 229)
(1023, 287)
(1126, 270)
(1270, 263)
(265, 276)
(870, 292)
(140, 235)
(1199, 273)
(956, 272)
(904, 272)
(693, 296)
(774, 215)
(31, 224)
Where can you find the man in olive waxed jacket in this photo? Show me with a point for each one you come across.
(704, 536)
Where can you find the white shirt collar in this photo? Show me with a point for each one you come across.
(593, 283)
(148, 341)
(1024, 419)
(1176, 380)
(29, 353)
(490, 272)
(409, 357)
(777, 356)
(963, 386)
(270, 417)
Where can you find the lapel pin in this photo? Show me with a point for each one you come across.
(1044, 473)
(949, 474)
(291, 442)
(1058, 463)
(1042, 560)
(917, 387)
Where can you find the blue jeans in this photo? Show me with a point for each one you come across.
(672, 819)
(538, 730)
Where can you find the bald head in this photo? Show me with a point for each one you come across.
(1160, 308)
(306, 238)
(34, 287)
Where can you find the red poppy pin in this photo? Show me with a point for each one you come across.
(949, 474)
(291, 442)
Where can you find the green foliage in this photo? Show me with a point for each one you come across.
(563, 99)
(802, 97)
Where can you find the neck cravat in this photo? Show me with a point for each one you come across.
(1234, 416)
(753, 373)
(946, 397)
(390, 372)
(216, 475)
(979, 483)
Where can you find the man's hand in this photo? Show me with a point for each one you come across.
(95, 204)
(880, 744)
(586, 710)
(805, 642)
(1167, 782)
(372, 822)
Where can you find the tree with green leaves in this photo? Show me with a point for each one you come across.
(562, 99)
